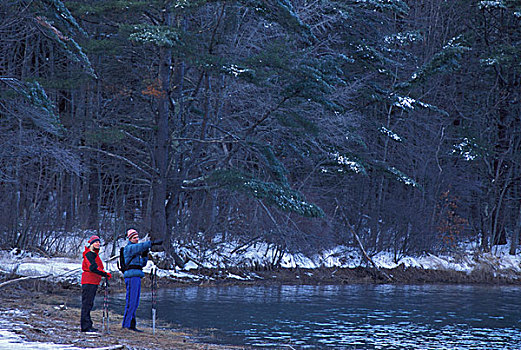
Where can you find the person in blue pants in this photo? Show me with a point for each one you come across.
(136, 257)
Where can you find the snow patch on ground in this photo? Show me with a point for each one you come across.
(10, 340)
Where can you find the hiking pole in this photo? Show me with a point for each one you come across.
(153, 286)
(105, 328)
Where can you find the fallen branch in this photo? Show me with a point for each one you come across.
(21, 279)
(359, 241)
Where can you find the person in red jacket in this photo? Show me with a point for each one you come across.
(93, 271)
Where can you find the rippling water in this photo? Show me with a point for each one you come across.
(347, 317)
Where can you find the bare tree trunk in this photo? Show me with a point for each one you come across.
(69, 202)
(94, 193)
(175, 195)
(161, 148)
(18, 191)
(515, 236)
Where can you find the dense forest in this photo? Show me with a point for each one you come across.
(301, 123)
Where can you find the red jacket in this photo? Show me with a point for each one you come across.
(92, 267)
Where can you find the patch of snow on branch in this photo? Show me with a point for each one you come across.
(394, 136)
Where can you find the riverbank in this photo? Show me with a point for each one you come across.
(320, 276)
(357, 275)
(37, 311)
(35, 315)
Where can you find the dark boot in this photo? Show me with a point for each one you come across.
(133, 326)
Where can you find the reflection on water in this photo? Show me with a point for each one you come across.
(347, 317)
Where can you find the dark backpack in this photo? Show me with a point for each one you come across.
(122, 265)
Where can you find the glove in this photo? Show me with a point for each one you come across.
(108, 275)
(144, 254)
(158, 242)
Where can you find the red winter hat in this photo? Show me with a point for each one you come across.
(131, 233)
(94, 239)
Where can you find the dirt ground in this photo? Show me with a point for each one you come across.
(43, 318)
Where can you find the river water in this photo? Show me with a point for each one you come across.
(344, 317)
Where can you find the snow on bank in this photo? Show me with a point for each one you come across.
(10, 340)
(25, 264)
(224, 255)
(465, 259)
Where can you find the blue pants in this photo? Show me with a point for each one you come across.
(133, 285)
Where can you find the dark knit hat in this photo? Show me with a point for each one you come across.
(131, 233)
(93, 239)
